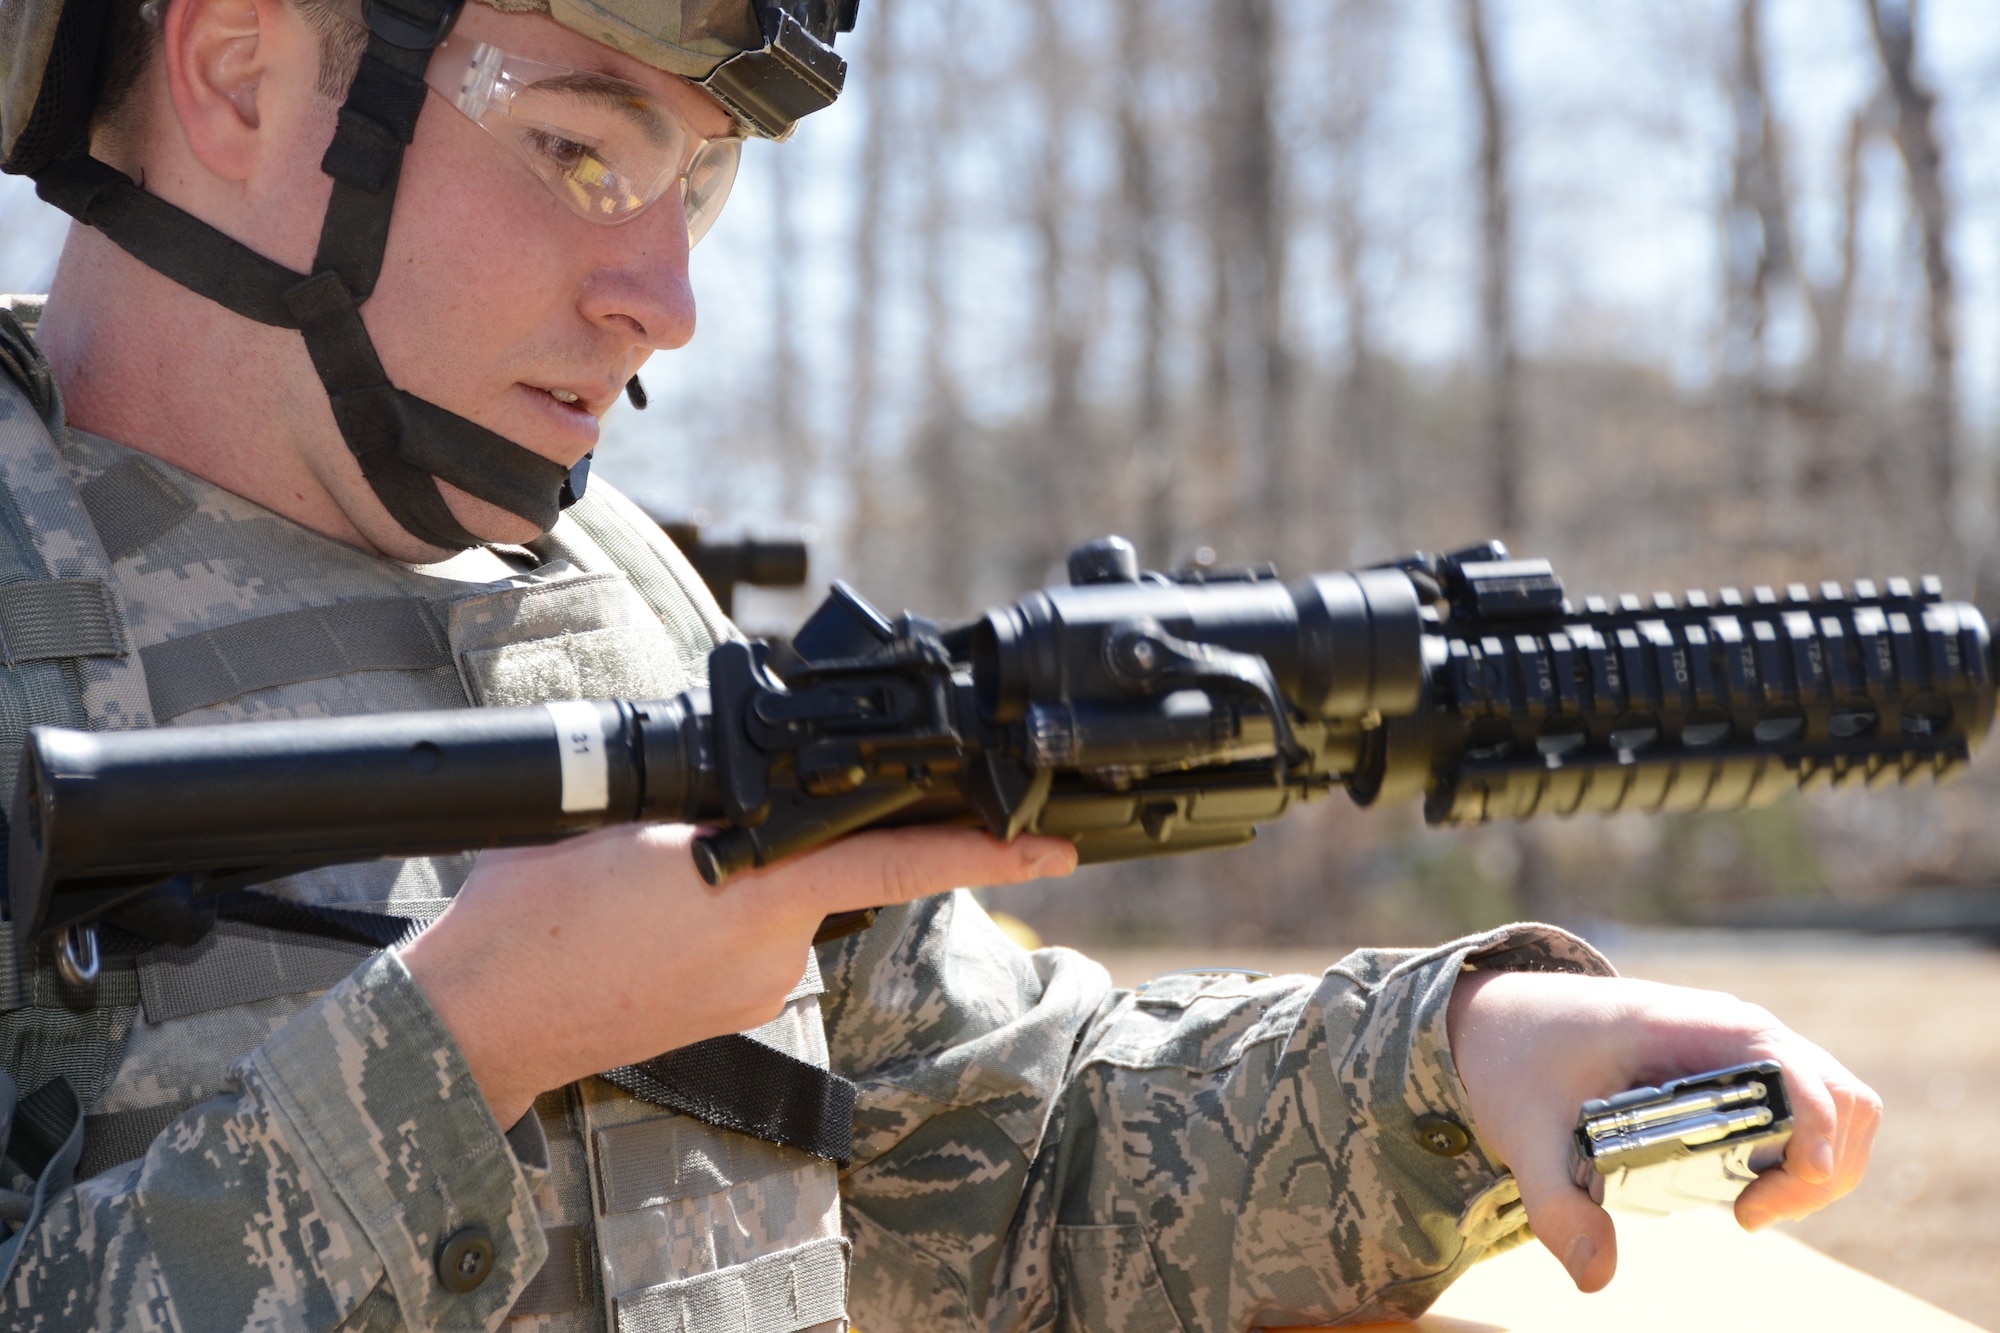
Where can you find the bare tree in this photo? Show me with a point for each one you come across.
(1822, 398)
(1248, 361)
(1268, 221)
(1360, 440)
(1833, 301)
(1757, 253)
(877, 65)
(1155, 455)
(1066, 459)
(1762, 263)
(1894, 23)
(939, 466)
(794, 446)
(1499, 352)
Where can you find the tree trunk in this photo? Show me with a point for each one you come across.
(938, 464)
(1756, 249)
(1248, 361)
(1375, 503)
(1360, 479)
(1064, 463)
(794, 447)
(1894, 26)
(1500, 361)
(1155, 453)
(877, 66)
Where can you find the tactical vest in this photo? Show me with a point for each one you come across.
(134, 594)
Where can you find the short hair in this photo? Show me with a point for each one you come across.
(130, 43)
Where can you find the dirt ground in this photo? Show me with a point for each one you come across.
(1918, 1021)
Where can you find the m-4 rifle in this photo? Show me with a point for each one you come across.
(1133, 713)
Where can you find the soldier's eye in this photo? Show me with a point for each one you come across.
(559, 152)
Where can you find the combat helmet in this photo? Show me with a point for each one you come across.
(769, 62)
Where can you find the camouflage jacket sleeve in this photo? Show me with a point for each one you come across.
(313, 1196)
(1037, 1150)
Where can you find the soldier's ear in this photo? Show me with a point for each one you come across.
(224, 60)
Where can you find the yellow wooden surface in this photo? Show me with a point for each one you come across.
(1691, 1273)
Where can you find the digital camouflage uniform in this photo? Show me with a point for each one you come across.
(1033, 1149)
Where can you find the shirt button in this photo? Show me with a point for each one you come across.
(464, 1258)
(1442, 1135)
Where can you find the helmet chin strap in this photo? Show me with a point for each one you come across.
(404, 444)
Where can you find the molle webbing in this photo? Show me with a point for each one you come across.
(564, 1281)
(51, 619)
(132, 505)
(50, 625)
(313, 643)
(238, 963)
(777, 1293)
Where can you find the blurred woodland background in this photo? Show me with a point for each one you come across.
(1675, 295)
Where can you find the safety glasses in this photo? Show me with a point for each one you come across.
(607, 148)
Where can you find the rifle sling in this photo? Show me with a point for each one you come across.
(275, 946)
(739, 1084)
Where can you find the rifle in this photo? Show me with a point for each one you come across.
(1135, 714)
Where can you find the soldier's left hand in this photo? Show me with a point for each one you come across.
(1533, 1047)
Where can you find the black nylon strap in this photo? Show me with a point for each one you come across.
(365, 160)
(387, 93)
(117, 1137)
(481, 463)
(374, 929)
(402, 443)
(732, 1082)
(743, 1085)
(42, 1123)
(354, 237)
(169, 241)
(362, 153)
(368, 411)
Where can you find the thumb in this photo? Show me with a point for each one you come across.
(1570, 1224)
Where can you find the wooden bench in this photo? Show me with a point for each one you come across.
(1692, 1273)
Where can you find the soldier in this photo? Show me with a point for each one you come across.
(303, 430)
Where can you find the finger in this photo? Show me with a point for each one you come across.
(888, 866)
(1858, 1144)
(1835, 1116)
(1564, 1218)
(1576, 1230)
(1816, 1122)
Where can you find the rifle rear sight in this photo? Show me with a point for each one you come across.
(1134, 713)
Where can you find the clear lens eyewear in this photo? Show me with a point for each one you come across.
(607, 148)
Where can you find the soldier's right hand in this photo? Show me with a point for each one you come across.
(557, 962)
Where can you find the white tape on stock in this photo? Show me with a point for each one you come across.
(586, 766)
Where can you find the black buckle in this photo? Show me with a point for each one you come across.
(579, 477)
(414, 29)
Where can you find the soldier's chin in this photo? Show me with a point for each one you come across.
(488, 522)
